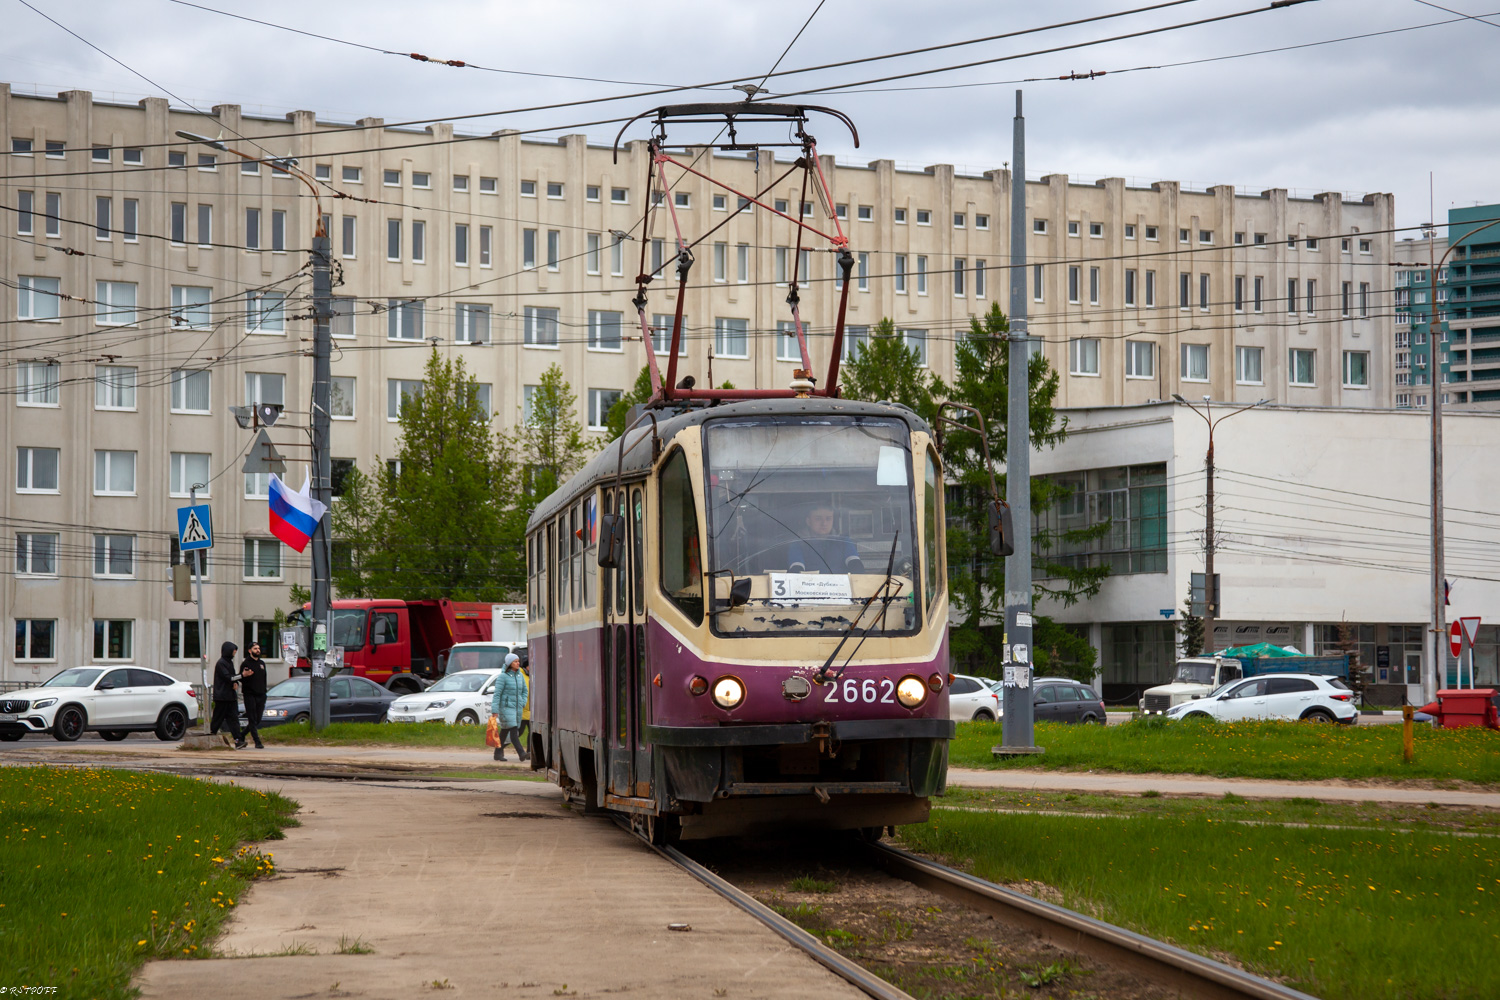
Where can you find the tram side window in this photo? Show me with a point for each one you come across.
(622, 582)
(530, 580)
(638, 548)
(575, 551)
(606, 579)
(681, 565)
(932, 575)
(563, 564)
(542, 594)
(590, 552)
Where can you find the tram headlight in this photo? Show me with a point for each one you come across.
(698, 685)
(911, 692)
(728, 692)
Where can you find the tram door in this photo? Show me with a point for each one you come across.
(624, 637)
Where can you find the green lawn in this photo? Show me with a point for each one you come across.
(103, 869)
(1342, 914)
(407, 734)
(1275, 750)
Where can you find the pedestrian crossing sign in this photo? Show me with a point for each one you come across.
(195, 528)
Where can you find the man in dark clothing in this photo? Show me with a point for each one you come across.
(253, 686)
(226, 709)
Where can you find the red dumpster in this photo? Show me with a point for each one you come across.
(1458, 707)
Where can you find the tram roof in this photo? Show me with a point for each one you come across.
(672, 420)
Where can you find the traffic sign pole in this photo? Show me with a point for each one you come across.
(205, 699)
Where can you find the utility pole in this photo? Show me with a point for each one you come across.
(1017, 727)
(322, 487)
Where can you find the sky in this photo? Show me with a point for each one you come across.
(1371, 114)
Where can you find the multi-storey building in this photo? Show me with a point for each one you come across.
(150, 281)
(1419, 354)
(1472, 294)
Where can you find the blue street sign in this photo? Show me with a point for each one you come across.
(195, 528)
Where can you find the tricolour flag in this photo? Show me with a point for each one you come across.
(294, 516)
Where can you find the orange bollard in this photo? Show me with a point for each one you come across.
(1406, 732)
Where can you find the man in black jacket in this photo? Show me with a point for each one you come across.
(253, 686)
(226, 709)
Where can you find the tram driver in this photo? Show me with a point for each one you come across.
(822, 551)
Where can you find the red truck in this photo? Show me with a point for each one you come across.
(403, 645)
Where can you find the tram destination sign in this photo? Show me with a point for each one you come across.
(811, 588)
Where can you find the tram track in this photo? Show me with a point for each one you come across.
(1172, 970)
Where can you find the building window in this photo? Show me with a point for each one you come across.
(1312, 296)
(1205, 236)
(265, 387)
(979, 276)
(721, 261)
(37, 383)
(865, 213)
(1083, 356)
(461, 245)
(1036, 282)
(278, 230)
(392, 239)
(34, 638)
(1150, 289)
(981, 221)
(1183, 281)
(36, 470)
(554, 249)
(489, 185)
(54, 215)
(1140, 359)
(1130, 286)
(540, 329)
(397, 392)
(1364, 300)
(265, 312)
(899, 273)
(350, 230)
(605, 330)
(1247, 369)
(787, 348)
(1195, 362)
(899, 216)
(1093, 286)
(958, 277)
(661, 334)
(1096, 230)
(1039, 226)
(1239, 293)
(471, 323)
(420, 179)
(1074, 277)
(600, 403)
(959, 218)
(178, 224)
(1346, 293)
(114, 473)
(528, 248)
(1260, 288)
(36, 554)
(1239, 239)
(190, 307)
(404, 319)
(591, 253)
(25, 212)
(528, 189)
(114, 388)
(1072, 228)
(419, 242)
(114, 555)
(484, 245)
(1203, 293)
(131, 221)
(1364, 246)
(102, 222)
(205, 225)
(252, 229)
(1356, 369)
(1300, 366)
(182, 640)
(190, 391)
(1312, 244)
(1182, 236)
(391, 178)
(1130, 231)
(921, 275)
(351, 175)
(112, 639)
(114, 303)
(1151, 233)
(1132, 500)
(916, 340)
(262, 559)
(731, 337)
(1291, 295)
(341, 396)
(619, 196)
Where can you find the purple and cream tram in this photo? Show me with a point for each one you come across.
(738, 620)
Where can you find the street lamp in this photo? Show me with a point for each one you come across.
(322, 296)
(1210, 590)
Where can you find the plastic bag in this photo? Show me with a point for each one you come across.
(492, 732)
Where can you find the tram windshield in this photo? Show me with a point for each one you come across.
(811, 510)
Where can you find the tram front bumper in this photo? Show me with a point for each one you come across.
(801, 732)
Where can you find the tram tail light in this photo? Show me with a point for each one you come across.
(911, 692)
(935, 683)
(728, 692)
(698, 685)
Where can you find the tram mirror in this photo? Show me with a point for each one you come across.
(890, 468)
(1002, 534)
(739, 593)
(611, 541)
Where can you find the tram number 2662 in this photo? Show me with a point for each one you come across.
(869, 690)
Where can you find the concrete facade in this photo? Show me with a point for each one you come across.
(128, 397)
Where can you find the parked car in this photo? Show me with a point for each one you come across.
(461, 699)
(1310, 697)
(111, 701)
(350, 699)
(1058, 699)
(970, 698)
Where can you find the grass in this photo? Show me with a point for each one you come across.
(104, 869)
(425, 734)
(1362, 914)
(809, 883)
(1301, 751)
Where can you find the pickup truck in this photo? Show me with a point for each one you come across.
(1197, 676)
(403, 645)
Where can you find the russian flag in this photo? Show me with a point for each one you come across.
(294, 516)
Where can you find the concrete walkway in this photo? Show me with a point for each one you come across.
(1250, 788)
(480, 889)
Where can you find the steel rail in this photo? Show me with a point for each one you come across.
(1161, 963)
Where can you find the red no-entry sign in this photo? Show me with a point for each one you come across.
(1456, 639)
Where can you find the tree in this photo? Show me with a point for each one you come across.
(1348, 644)
(619, 414)
(1191, 628)
(885, 368)
(976, 577)
(439, 521)
(550, 439)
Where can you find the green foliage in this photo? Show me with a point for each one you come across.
(886, 369)
(1058, 651)
(550, 440)
(982, 380)
(297, 595)
(442, 522)
(639, 393)
(1191, 628)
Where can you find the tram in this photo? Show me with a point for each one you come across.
(738, 610)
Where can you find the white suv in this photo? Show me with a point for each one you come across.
(1308, 697)
(111, 701)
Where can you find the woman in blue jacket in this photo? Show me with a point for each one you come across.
(508, 702)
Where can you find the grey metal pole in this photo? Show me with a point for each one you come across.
(205, 696)
(322, 486)
(1437, 663)
(1017, 731)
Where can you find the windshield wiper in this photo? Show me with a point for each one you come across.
(890, 567)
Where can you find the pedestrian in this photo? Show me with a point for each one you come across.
(253, 686)
(508, 703)
(226, 707)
